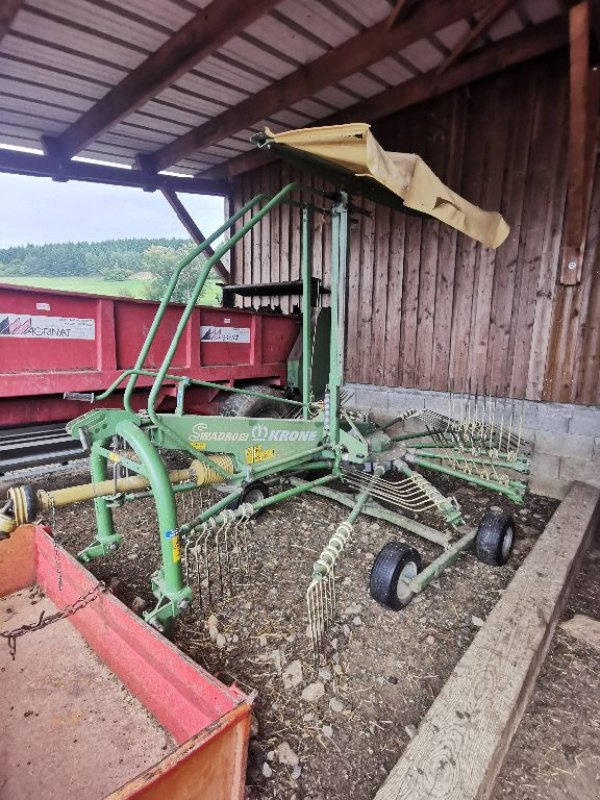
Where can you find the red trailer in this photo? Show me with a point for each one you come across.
(53, 342)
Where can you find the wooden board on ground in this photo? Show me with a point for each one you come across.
(584, 628)
(466, 733)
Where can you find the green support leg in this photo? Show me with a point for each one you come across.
(106, 541)
(172, 595)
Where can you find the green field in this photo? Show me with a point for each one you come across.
(130, 287)
(126, 288)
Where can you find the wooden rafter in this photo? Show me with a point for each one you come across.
(8, 11)
(522, 46)
(19, 163)
(205, 33)
(338, 63)
(582, 136)
(189, 224)
(485, 23)
(398, 13)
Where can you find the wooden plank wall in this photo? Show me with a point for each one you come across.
(430, 309)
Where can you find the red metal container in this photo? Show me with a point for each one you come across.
(208, 721)
(53, 342)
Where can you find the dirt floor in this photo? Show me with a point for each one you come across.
(334, 733)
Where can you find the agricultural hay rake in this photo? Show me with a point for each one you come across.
(286, 445)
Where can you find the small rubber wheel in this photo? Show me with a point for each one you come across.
(396, 564)
(242, 405)
(253, 493)
(495, 538)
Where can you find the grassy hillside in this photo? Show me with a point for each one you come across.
(126, 288)
(211, 295)
(139, 268)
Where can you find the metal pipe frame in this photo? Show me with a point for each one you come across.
(514, 490)
(377, 511)
(168, 585)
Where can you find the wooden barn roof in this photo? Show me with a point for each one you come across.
(181, 85)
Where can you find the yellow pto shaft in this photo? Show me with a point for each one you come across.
(23, 504)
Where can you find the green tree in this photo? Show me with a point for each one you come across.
(161, 262)
(108, 259)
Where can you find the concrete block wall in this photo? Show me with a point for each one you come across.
(565, 437)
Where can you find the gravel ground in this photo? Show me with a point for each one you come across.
(337, 732)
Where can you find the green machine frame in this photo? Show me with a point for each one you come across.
(315, 441)
(317, 437)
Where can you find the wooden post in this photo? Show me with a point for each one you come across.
(579, 158)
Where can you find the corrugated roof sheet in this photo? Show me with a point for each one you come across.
(61, 56)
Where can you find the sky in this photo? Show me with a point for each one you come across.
(39, 210)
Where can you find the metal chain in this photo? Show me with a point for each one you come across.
(68, 611)
(57, 564)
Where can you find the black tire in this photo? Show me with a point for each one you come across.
(253, 492)
(395, 562)
(241, 405)
(495, 538)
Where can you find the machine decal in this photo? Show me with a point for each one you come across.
(176, 549)
(258, 433)
(256, 453)
(261, 433)
(214, 333)
(173, 535)
(201, 434)
(27, 326)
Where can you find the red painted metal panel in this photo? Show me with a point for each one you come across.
(132, 323)
(62, 329)
(276, 338)
(54, 342)
(225, 336)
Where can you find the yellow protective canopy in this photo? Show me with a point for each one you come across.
(354, 147)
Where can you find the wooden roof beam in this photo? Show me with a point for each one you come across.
(194, 231)
(530, 43)
(8, 11)
(44, 166)
(359, 52)
(485, 23)
(205, 33)
(582, 138)
(398, 13)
